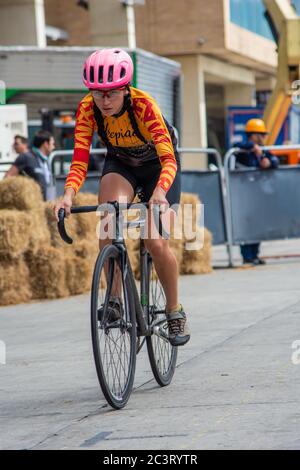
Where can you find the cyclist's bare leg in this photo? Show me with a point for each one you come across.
(164, 260)
(114, 187)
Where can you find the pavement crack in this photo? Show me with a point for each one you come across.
(64, 428)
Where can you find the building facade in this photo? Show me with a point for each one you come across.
(225, 48)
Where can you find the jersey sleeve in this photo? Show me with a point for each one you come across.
(84, 130)
(149, 113)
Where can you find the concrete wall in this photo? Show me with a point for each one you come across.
(172, 27)
(194, 124)
(67, 15)
(168, 27)
(239, 95)
(103, 24)
(250, 48)
(22, 23)
(238, 86)
(108, 23)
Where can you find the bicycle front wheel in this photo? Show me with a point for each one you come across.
(113, 337)
(162, 354)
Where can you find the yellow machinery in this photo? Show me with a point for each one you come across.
(285, 24)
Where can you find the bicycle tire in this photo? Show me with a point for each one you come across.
(104, 358)
(162, 355)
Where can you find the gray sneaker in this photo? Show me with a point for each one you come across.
(179, 333)
(115, 310)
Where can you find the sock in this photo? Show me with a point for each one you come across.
(175, 309)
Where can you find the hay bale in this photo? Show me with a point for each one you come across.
(78, 274)
(198, 261)
(78, 226)
(80, 266)
(134, 257)
(47, 273)
(14, 282)
(86, 223)
(70, 224)
(14, 233)
(20, 192)
(86, 249)
(39, 231)
(189, 198)
(85, 252)
(86, 199)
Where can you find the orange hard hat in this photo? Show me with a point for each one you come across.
(256, 126)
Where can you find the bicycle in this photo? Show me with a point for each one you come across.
(117, 341)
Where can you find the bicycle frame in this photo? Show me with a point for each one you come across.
(141, 307)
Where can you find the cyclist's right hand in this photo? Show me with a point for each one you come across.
(257, 150)
(64, 203)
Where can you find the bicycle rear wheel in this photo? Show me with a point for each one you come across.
(114, 339)
(162, 354)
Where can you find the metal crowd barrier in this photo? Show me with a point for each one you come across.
(209, 185)
(242, 206)
(60, 169)
(261, 204)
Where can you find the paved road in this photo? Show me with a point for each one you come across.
(235, 387)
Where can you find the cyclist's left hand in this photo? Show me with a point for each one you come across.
(159, 197)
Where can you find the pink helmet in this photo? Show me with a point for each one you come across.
(107, 68)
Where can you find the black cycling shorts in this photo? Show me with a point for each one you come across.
(145, 176)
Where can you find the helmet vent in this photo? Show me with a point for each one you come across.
(110, 73)
(92, 79)
(84, 73)
(123, 72)
(100, 74)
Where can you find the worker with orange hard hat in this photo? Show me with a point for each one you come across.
(254, 156)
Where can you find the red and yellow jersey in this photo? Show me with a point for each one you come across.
(120, 134)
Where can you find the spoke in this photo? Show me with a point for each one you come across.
(115, 374)
(162, 350)
(115, 344)
(116, 364)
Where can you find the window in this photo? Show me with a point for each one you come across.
(296, 4)
(249, 14)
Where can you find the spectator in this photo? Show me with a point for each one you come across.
(20, 144)
(254, 156)
(35, 163)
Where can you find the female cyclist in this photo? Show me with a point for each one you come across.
(141, 151)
